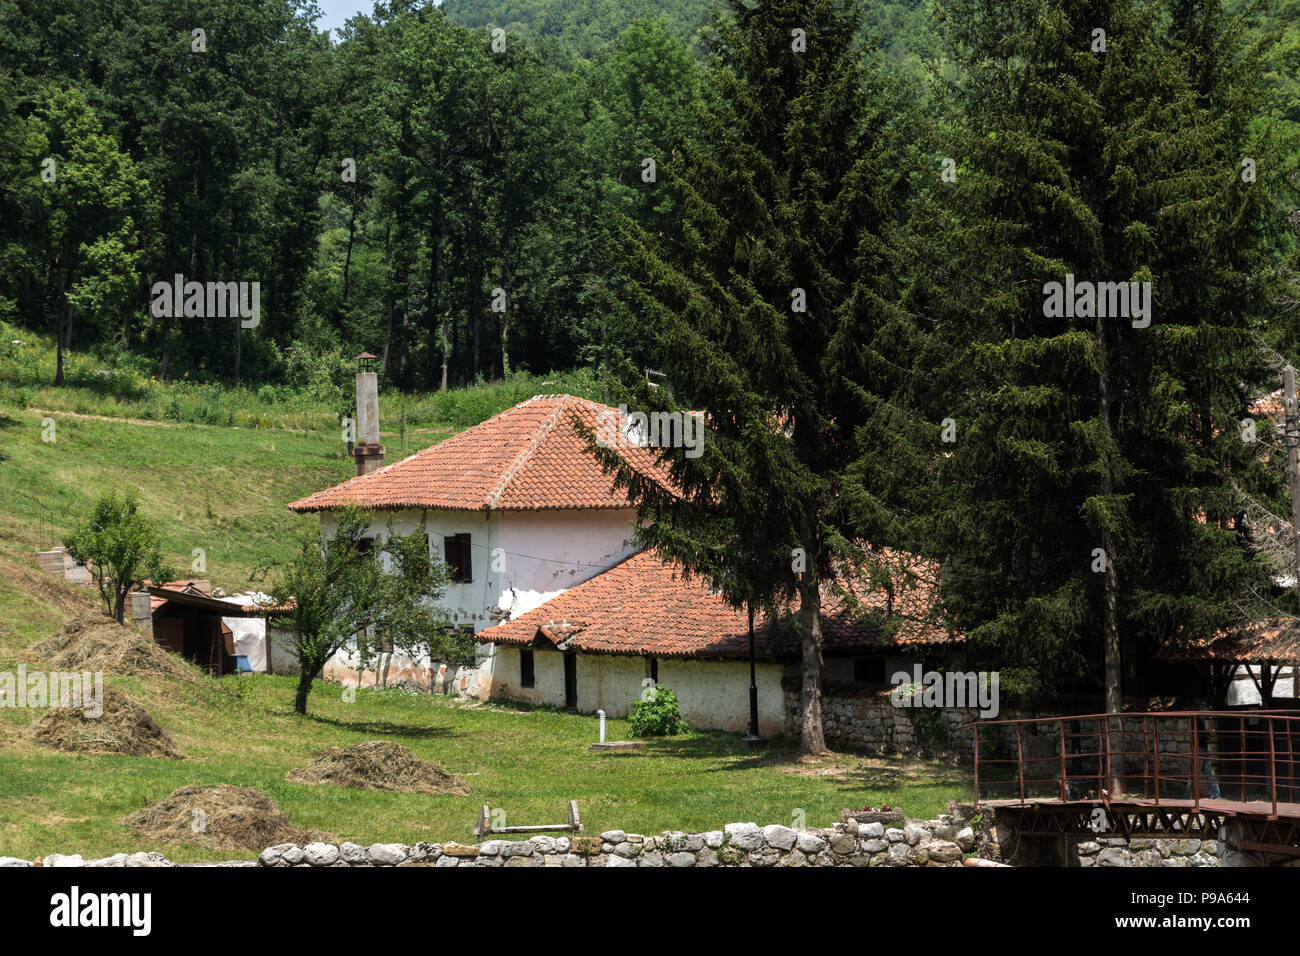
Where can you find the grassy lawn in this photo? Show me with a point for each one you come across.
(241, 730)
(530, 763)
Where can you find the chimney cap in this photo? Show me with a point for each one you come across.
(367, 361)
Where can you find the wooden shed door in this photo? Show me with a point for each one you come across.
(571, 679)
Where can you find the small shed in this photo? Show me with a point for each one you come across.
(188, 619)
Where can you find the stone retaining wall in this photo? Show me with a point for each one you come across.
(1116, 851)
(940, 842)
(919, 843)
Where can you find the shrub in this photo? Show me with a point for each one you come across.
(657, 715)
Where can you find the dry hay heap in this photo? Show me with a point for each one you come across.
(379, 765)
(96, 642)
(219, 818)
(124, 727)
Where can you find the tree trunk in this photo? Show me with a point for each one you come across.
(58, 340)
(1110, 615)
(347, 260)
(388, 335)
(234, 262)
(443, 386)
(812, 739)
(304, 688)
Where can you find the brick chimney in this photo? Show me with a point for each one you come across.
(368, 453)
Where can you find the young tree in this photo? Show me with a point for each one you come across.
(777, 315)
(344, 585)
(120, 548)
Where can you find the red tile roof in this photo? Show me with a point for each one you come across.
(1272, 640)
(643, 606)
(1268, 406)
(528, 458)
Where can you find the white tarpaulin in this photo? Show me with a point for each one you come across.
(250, 632)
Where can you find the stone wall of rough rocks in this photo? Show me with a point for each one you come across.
(870, 721)
(918, 843)
(1116, 851)
(940, 842)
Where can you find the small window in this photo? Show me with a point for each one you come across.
(869, 670)
(456, 552)
(366, 545)
(527, 677)
(652, 669)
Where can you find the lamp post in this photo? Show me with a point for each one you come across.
(752, 737)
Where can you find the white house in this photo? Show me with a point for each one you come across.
(516, 506)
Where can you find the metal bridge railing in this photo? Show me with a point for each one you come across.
(1244, 756)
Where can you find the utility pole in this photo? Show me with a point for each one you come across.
(1291, 433)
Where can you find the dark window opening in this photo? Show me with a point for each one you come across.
(365, 545)
(869, 670)
(654, 669)
(527, 676)
(456, 552)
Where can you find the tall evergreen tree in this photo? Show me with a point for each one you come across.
(1087, 512)
(776, 315)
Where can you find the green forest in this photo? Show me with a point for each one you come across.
(842, 216)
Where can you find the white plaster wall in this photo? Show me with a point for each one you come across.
(542, 554)
(548, 669)
(714, 695)
(284, 659)
(548, 552)
(1243, 692)
(610, 683)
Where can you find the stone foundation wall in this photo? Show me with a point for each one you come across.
(868, 720)
(1116, 851)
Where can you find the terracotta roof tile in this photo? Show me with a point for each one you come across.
(643, 606)
(1268, 406)
(530, 457)
(1274, 640)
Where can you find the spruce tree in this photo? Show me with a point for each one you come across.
(1087, 512)
(775, 313)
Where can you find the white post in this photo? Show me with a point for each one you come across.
(601, 715)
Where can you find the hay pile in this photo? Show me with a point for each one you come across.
(379, 765)
(123, 728)
(227, 818)
(96, 642)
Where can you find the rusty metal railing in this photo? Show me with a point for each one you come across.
(1243, 756)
